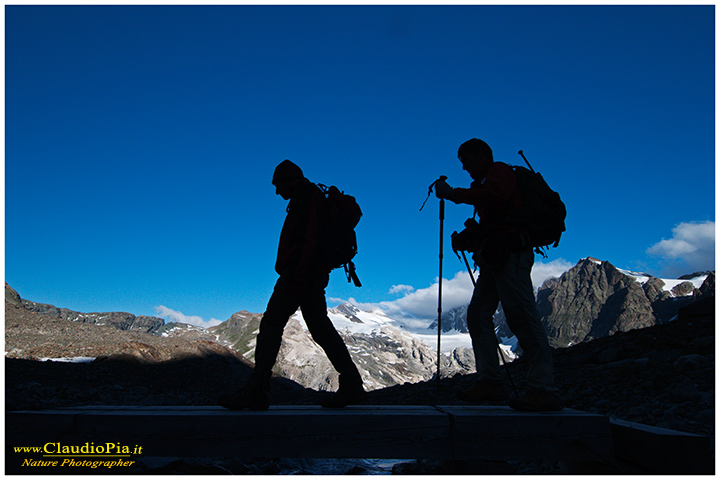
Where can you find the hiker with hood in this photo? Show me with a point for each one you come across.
(304, 274)
(505, 260)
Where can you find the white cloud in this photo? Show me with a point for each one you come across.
(179, 317)
(543, 271)
(401, 289)
(691, 248)
(418, 308)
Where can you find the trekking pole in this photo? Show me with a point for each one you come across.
(439, 322)
(442, 220)
(502, 357)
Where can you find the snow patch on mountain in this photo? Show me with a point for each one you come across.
(68, 359)
(669, 283)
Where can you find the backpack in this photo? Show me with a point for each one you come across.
(542, 213)
(343, 215)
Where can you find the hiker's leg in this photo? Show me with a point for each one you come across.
(518, 300)
(283, 303)
(314, 310)
(483, 306)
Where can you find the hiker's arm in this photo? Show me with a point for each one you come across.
(499, 187)
(299, 237)
(308, 254)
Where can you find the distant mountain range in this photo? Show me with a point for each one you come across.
(593, 299)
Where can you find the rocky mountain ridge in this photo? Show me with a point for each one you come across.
(39, 336)
(595, 299)
(118, 320)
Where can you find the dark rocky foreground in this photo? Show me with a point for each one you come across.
(661, 376)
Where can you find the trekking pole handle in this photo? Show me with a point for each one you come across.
(430, 189)
(442, 178)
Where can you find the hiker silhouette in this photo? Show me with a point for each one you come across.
(304, 275)
(505, 258)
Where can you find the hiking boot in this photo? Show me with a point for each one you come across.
(250, 399)
(537, 401)
(346, 396)
(484, 392)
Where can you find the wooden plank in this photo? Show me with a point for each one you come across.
(443, 432)
(500, 433)
(659, 450)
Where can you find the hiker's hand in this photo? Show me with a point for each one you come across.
(443, 190)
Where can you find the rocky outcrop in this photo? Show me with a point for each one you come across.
(708, 286)
(239, 331)
(592, 300)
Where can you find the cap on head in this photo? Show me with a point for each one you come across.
(476, 148)
(286, 171)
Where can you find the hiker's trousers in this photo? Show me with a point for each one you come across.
(309, 296)
(510, 285)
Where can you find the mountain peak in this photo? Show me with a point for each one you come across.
(348, 310)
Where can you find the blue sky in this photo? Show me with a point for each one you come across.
(140, 142)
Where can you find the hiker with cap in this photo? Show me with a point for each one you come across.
(304, 275)
(505, 259)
